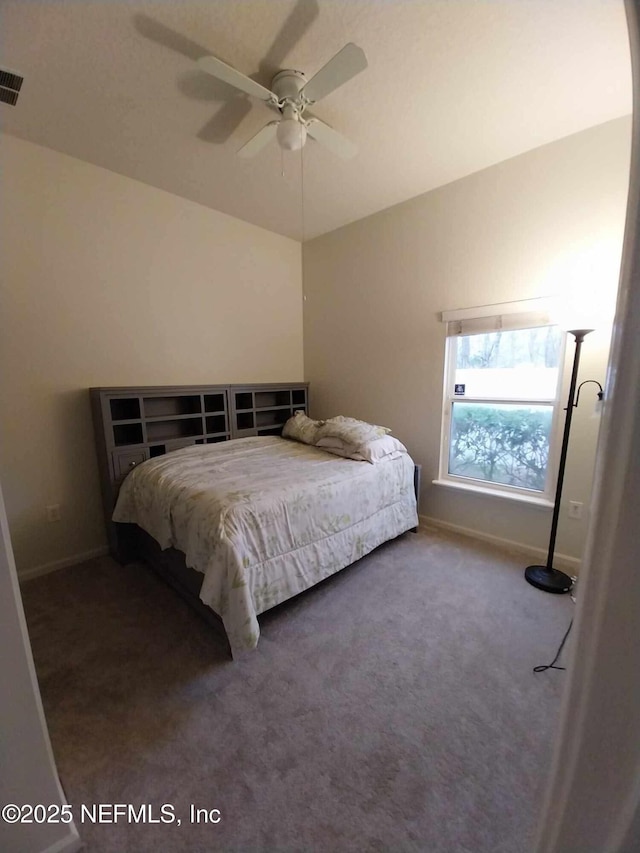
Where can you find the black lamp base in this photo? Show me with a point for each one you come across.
(548, 580)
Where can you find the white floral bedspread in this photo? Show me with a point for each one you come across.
(265, 518)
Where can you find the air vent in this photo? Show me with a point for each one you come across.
(10, 85)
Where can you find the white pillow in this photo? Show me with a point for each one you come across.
(387, 447)
(332, 441)
(341, 419)
(349, 431)
(346, 452)
(379, 449)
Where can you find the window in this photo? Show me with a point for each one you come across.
(502, 382)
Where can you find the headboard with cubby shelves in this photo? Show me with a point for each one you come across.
(134, 424)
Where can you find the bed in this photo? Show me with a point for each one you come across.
(264, 518)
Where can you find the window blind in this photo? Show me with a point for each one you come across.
(526, 314)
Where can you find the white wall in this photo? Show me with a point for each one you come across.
(107, 281)
(29, 773)
(373, 290)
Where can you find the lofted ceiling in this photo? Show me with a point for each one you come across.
(452, 86)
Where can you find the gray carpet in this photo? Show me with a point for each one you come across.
(392, 708)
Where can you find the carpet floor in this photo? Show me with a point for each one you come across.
(391, 708)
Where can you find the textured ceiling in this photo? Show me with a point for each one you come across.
(452, 87)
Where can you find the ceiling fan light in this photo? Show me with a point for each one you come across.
(291, 134)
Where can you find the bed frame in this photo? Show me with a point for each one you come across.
(170, 565)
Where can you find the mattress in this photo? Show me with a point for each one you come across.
(265, 518)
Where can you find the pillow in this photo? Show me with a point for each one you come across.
(383, 448)
(350, 431)
(342, 450)
(330, 441)
(340, 419)
(379, 449)
(301, 428)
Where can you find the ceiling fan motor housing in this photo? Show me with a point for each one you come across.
(287, 84)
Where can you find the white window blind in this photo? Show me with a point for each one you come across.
(526, 314)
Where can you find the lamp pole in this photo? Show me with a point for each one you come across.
(546, 577)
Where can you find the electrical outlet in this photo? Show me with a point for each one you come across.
(53, 512)
(575, 509)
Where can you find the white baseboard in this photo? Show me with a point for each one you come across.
(46, 568)
(563, 561)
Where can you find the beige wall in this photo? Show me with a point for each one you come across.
(527, 227)
(107, 281)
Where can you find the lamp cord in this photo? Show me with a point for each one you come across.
(552, 665)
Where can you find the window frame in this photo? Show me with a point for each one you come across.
(471, 484)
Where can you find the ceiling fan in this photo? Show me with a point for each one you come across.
(290, 94)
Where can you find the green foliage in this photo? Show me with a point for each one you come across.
(501, 444)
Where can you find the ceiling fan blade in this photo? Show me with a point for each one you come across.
(218, 68)
(331, 139)
(257, 142)
(345, 64)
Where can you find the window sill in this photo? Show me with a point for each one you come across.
(543, 503)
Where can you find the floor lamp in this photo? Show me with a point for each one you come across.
(546, 577)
